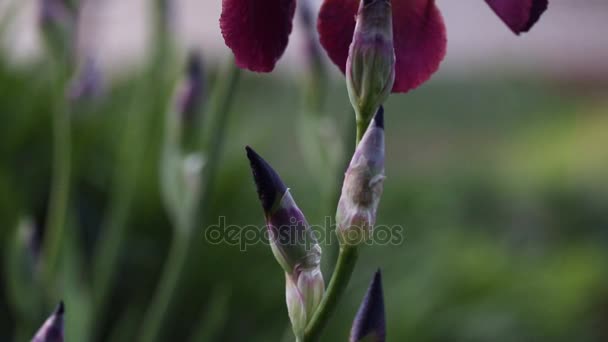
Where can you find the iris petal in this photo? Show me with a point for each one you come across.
(420, 42)
(257, 31)
(519, 15)
(418, 30)
(336, 25)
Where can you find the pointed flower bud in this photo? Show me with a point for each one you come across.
(362, 187)
(370, 67)
(191, 91)
(292, 241)
(57, 20)
(52, 329)
(370, 324)
(88, 82)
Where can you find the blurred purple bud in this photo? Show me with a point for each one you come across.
(190, 93)
(57, 21)
(55, 12)
(88, 82)
(292, 240)
(370, 67)
(52, 330)
(362, 187)
(369, 323)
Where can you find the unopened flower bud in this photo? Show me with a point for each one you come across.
(57, 20)
(370, 67)
(52, 330)
(88, 82)
(362, 187)
(304, 290)
(293, 244)
(369, 324)
(292, 240)
(191, 91)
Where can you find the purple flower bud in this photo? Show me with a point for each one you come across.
(369, 324)
(58, 22)
(52, 329)
(362, 187)
(88, 83)
(293, 244)
(55, 12)
(292, 240)
(370, 67)
(191, 91)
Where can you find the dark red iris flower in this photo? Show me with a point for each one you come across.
(258, 31)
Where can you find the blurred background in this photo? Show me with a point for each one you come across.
(496, 169)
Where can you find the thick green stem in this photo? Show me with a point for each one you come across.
(337, 285)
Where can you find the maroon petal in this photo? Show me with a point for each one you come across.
(257, 31)
(420, 42)
(519, 15)
(336, 25)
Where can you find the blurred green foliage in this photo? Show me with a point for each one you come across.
(500, 185)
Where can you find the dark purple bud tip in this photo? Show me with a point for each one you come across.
(195, 66)
(369, 322)
(379, 118)
(52, 330)
(268, 183)
(60, 309)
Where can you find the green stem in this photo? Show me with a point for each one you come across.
(60, 183)
(362, 125)
(337, 285)
(182, 244)
(214, 129)
(165, 293)
(130, 157)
